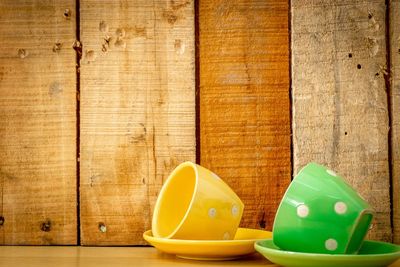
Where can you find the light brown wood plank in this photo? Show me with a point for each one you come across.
(394, 37)
(137, 111)
(340, 112)
(244, 101)
(37, 122)
(110, 256)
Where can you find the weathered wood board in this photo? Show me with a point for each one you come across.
(394, 37)
(137, 111)
(37, 123)
(244, 101)
(340, 111)
(137, 82)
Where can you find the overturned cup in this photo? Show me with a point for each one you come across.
(194, 203)
(321, 213)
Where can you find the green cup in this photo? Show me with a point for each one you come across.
(321, 213)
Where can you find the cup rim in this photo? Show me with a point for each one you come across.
(363, 212)
(162, 192)
(353, 229)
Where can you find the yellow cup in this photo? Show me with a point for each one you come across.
(194, 203)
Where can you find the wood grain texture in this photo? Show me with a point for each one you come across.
(394, 37)
(137, 111)
(244, 101)
(111, 256)
(340, 112)
(37, 122)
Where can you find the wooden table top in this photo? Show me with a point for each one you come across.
(60, 256)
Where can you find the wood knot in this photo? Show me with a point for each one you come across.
(1, 220)
(103, 26)
(106, 44)
(176, 5)
(55, 89)
(179, 47)
(90, 56)
(120, 33)
(120, 43)
(170, 16)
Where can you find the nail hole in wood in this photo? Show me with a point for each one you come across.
(22, 53)
(350, 55)
(46, 226)
(67, 13)
(358, 66)
(57, 47)
(102, 227)
(1, 220)
(345, 133)
(262, 222)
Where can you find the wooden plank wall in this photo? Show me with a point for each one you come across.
(340, 111)
(137, 111)
(244, 101)
(394, 37)
(138, 108)
(37, 123)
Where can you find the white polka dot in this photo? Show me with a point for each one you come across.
(331, 244)
(302, 210)
(371, 227)
(331, 172)
(212, 212)
(340, 207)
(235, 210)
(226, 236)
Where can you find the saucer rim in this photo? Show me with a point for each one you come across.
(149, 235)
(257, 246)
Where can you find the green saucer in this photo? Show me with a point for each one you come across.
(371, 254)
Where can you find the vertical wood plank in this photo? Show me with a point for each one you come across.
(37, 122)
(340, 112)
(137, 111)
(244, 101)
(394, 36)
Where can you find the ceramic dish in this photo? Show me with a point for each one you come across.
(194, 203)
(241, 245)
(371, 254)
(321, 213)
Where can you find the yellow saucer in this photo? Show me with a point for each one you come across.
(242, 245)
